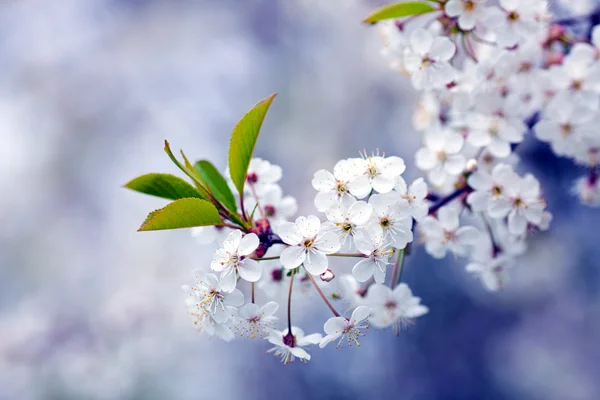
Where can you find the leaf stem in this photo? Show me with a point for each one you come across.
(252, 292)
(331, 307)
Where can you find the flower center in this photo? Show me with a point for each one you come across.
(347, 227)
(576, 85)
(525, 67)
(518, 202)
(385, 222)
(496, 191)
(289, 340)
(390, 305)
(449, 236)
(566, 129)
(426, 62)
(442, 156)
(270, 211)
(513, 16)
(252, 178)
(276, 275)
(469, 5)
(309, 242)
(341, 188)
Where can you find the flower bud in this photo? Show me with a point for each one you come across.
(471, 165)
(327, 276)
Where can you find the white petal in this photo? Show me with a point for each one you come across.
(421, 41)
(426, 159)
(316, 263)
(364, 269)
(292, 257)
(235, 298)
(383, 183)
(517, 224)
(308, 226)
(228, 280)
(248, 244)
(289, 233)
(324, 181)
(448, 218)
(359, 186)
(442, 48)
(232, 243)
(269, 309)
(468, 235)
(360, 314)
(453, 8)
(336, 325)
(250, 270)
(328, 243)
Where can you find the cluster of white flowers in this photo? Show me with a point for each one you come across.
(368, 212)
(489, 74)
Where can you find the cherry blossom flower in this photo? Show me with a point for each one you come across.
(413, 197)
(395, 308)
(261, 174)
(441, 157)
(348, 179)
(443, 233)
(393, 219)
(490, 265)
(273, 204)
(588, 190)
(427, 60)
(348, 219)
(566, 125)
(381, 172)
(467, 11)
(233, 258)
(309, 244)
(514, 21)
(209, 296)
(522, 205)
(378, 253)
(346, 328)
(489, 186)
(256, 321)
(290, 346)
(209, 234)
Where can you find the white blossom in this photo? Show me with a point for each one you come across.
(309, 244)
(467, 11)
(346, 328)
(233, 259)
(413, 197)
(443, 233)
(378, 253)
(393, 218)
(522, 204)
(290, 346)
(427, 60)
(395, 308)
(441, 156)
(254, 320)
(346, 220)
(348, 180)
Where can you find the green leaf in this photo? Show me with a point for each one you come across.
(217, 184)
(243, 140)
(399, 10)
(182, 213)
(166, 186)
(189, 170)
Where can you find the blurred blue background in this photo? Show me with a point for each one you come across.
(91, 309)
